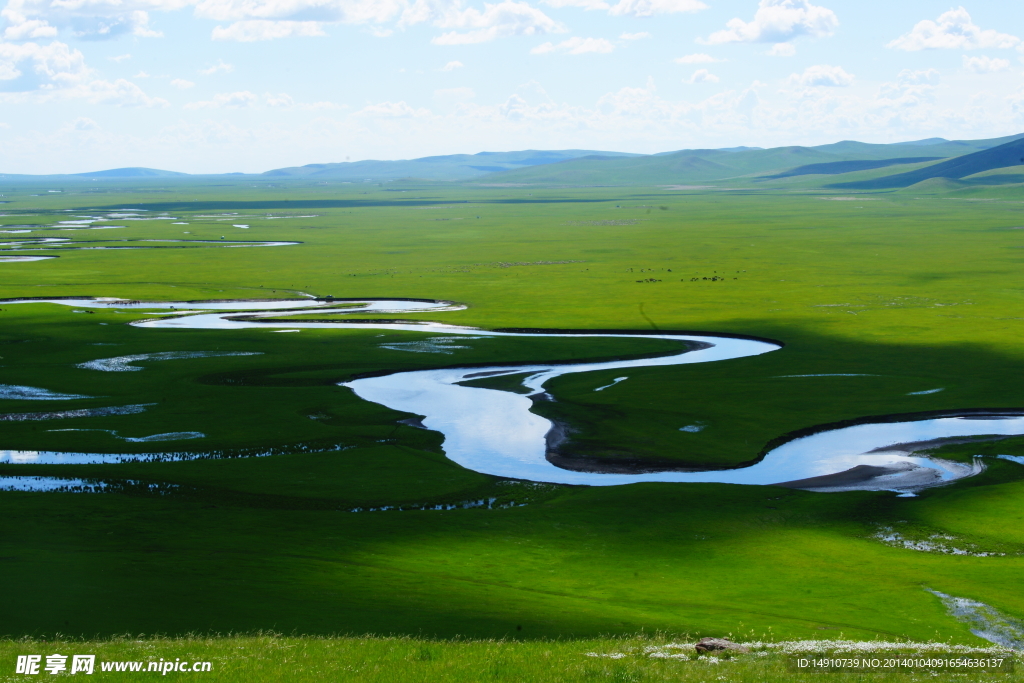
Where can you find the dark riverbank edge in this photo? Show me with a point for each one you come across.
(650, 333)
(231, 301)
(559, 435)
(691, 346)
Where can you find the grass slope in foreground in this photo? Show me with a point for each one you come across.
(378, 660)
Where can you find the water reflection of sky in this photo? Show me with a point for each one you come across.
(494, 432)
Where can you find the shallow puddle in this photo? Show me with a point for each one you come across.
(51, 484)
(80, 412)
(24, 457)
(124, 363)
(22, 393)
(166, 436)
(66, 244)
(62, 485)
(224, 305)
(984, 620)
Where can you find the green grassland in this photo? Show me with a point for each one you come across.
(646, 658)
(908, 292)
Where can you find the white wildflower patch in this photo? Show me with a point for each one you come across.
(668, 655)
(673, 651)
(795, 647)
(1005, 632)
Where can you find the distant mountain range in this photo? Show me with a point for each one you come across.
(846, 165)
(451, 167)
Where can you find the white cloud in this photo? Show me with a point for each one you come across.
(81, 123)
(392, 110)
(256, 20)
(985, 65)
(182, 84)
(782, 50)
(585, 4)
(318, 106)
(27, 29)
(822, 75)
(111, 25)
(920, 77)
(279, 100)
(778, 21)
(244, 99)
(646, 8)
(331, 11)
(232, 100)
(507, 18)
(88, 19)
(449, 95)
(219, 67)
(697, 58)
(120, 93)
(703, 76)
(953, 30)
(38, 73)
(635, 36)
(911, 88)
(576, 46)
(451, 66)
(636, 8)
(119, 58)
(141, 74)
(262, 29)
(30, 66)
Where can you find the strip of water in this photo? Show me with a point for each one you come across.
(494, 432)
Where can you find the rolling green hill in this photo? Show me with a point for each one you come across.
(840, 167)
(1009, 154)
(708, 165)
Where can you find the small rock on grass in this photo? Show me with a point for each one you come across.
(715, 644)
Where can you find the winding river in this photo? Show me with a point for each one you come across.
(494, 432)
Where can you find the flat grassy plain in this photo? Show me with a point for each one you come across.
(884, 294)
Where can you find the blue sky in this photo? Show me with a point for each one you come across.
(249, 85)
